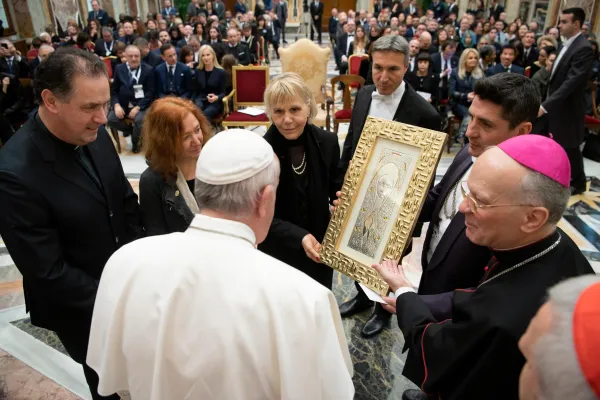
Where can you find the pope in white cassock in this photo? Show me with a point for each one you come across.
(204, 315)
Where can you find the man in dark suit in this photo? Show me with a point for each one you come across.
(105, 46)
(281, 11)
(452, 7)
(172, 78)
(65, 204)
(148, 57)
(565, 105)
(442, 65)
(316, 14)
(343, 46)
(214, 41)
(439, 9)
(496, 9)
(390, 98)
(251, 41)
(98, 14)
(132, 92)
(241, 53)
(11, 61)
(169, 12)
(530, 53)
(507, 57)
(219, 9)
(274, 33)
(411, 9)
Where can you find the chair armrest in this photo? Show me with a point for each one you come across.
(226, 103)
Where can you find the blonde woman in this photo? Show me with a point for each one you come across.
(309, 159)
(462, 82)
(547, 41)
(210, 83)
(359, 46)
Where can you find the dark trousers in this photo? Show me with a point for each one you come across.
(316, 24)
(363, 298)
(578, 179)
(282, 35)
(210, 110)
(75, 341)
(275, 47)
(121, 125)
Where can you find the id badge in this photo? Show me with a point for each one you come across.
(138, 91)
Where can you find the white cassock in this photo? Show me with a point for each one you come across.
(205, 315)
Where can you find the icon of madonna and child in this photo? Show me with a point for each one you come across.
(380, 203)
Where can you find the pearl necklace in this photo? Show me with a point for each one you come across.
(535, 257)
(299, 170)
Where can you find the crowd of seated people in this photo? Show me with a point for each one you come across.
(493, 44)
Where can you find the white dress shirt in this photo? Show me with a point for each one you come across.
(564, 49)
(444, 222)
(385, 106)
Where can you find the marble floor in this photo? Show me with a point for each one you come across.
(34, 364)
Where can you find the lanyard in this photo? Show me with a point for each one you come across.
(109, 50)
(136, 77)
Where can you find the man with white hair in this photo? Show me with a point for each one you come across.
(561, 344)
(203, 314)
(463, 344)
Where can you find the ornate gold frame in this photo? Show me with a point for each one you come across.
(430, 144)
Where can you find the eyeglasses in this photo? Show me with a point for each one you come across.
(475, 206)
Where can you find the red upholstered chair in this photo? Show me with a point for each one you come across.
(354, 65)
(592, 122)
(528, 72)
(343, 115)
(108, 63)
(249, 84)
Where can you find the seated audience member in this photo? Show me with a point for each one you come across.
(541, 78)
(119, 55)
(561, 344)
(174, 133)
(43, 53)
(71, 35)
(414, 50)
(13, 103)
(132, 92)
(187, 35)
(425, 44)
(518, 45)
(251, 41)
(343, 46)
(241, 53)
(154, 43)
(128, 34)
(168, 10)
(84, 42)
(164, 37)
(309, 160)
(105, 46)
(514, 197)
(93, 29)
(228, 63)
(236, 181)
(148, 57)
(462, 82)
(194, 44)
(11, 61)
(214, 40)
(530, 53)
(33, 48)
(186, 56)
(546, 41)
(423, 81)
(359, 45)
(210, 84)
(442, 64)
(467, 41)
(175, 36)
(487, 58)
(507, 57)
(542, 59)
(172, 78)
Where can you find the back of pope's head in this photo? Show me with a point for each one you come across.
(520, 190)
(238, 174)
(562, 344)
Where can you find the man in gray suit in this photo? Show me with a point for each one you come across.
(281, 10)
(565, 104)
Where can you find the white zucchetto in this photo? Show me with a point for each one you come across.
(233, 155)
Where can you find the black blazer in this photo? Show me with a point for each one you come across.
(153, 59)
(437, 62)
(565, 103)
(428, 84)
(316, 11)
(240, 52)
(496, 11)
(456, 262)
(412, 110)
(122, 87)
(289, 226)
(59, 227)
(33, 64)
(182, 80)
(162, 210)
(102, 51)
(342, 45)
(215, 84)
(528, 61)
(102, 17)
(19, 68)
(499, 68)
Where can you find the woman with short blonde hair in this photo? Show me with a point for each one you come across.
(173, 135)
(547, 40)
(309, 177)
(462, 82)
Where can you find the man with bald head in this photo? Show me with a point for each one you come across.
(464, 345)
(43, 52)
(425, 45)
(414, 47)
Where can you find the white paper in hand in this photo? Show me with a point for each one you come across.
(371, 294)
(424, 95)
(252, 111)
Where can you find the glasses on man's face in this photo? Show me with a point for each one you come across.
(476, 206)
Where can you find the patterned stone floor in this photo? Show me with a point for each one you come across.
(34, 365)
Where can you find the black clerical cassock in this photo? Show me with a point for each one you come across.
(473, 354)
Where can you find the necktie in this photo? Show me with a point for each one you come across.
(171, 71)
(506, 69)
(132, 73)
(9, 61)
(96, 15)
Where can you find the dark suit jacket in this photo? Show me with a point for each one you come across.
(122, 87)
(182, 42)
(499, 68)
(377, 7)
(153, 59)
(215, 84)
(453, 8)
(103, 17)
(342, 45)
(100, 50)
(218, 47)
(240, 52)
(59, 227)
(219, 10)
(182, 83)
(565, 103)
(253, 45)
(437, 63)
(127, 39)
(33, 64)
(496, 11)
(239, 8)
(533, 57)
(456, 262)
(316, 12)
(412, 110)
(19, 68)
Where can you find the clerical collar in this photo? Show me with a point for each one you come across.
(509, 258)
(223, 227)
